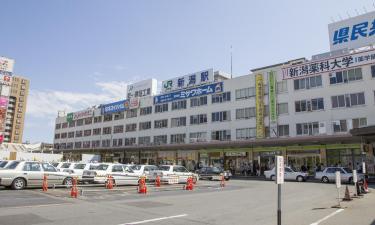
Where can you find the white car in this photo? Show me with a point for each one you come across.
(168, 171)
(289, 174)
(5, 163)
(145, 170)
(120, 174)
(329, 175)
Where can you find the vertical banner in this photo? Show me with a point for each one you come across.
(259, 95)
(272, 103)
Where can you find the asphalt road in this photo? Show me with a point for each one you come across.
(240, 202)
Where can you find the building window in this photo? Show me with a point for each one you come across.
(245, 93)
(107, 117)
(71, 134)
(58, 126)
(130, 141)
(119, 116)
(78, 144)
(309, 105)
(88, 120)
(245, 133)
(282, 87)
(345, 76)
(64, 125)
(245, 113)
(179, 105)
(178, 122)
(160, 123)
(340, 126)
(283, 130)
(161, 108)
(221, 116)
(146, 140)
(63, 135)
(118, 129)
(96, 131)
(178, 138)
(306, 129)
(145, 125)
(198, 137)
(86, 144)
(117, 142)
(79, 133)
(282, 108)
(160, 139)
(198, 119)
(107, 130)
(131, 127)
(220, 135)
(106, 143)
(222, 97)
(308, 83)
(72, 123)
(69, 145)
(348, 100)
(79, 122)
(198, 101)
(131, 113)
(359, 122)
(146, 110)
(57, 136)
(97, 119)
(87, 133)
(95, 143)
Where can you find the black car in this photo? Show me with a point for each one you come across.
(211, 173)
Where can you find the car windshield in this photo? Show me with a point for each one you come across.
(55, 164)
(164, 168)
(93, 167)
(136, 167)
(79, 166)
(216, 169)
(348, 170)
(3, 164)
(65, 165)
(12, 165)
(102, 167)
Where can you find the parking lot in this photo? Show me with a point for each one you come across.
(239, 202)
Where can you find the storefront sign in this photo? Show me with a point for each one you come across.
(142, 88)
(3, 102)
(5, 80)
(81, 114)
(193, 92)
(352, 33)
(279, 169)
(259, 94)
(191, 80)
(329, 65)
(69, 117)
(272, 153)
(115, 107)
(6, 64)
(235, 153)
(134, 103)
(272, 96)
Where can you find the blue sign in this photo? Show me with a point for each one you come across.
(189, 93)
(115, 107)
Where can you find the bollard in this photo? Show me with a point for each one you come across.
(74, 190)
(157, 181)
(45, 183)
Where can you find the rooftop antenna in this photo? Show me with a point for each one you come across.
(231, 63)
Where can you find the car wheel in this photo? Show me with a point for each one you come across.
(272, 177)
(226, 178)
(210, 178)
(300, 178)
(325, 180)
(68, 181)
(19, 184)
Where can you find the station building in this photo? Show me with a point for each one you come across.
(302, 109)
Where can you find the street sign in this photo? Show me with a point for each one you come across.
(355, 179)
(363, 167)
(279, 170)
(338, 179)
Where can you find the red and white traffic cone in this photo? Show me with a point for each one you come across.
(74, 190)
(157, 181)
(109, 184)
(45, 183)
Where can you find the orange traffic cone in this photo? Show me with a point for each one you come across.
(222, 181)
(347, 195)
(45, 183)
(74, 190)
(109, 184)
(189, 184)
(157, 181)
(142, 189)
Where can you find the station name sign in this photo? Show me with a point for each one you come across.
(329, 65)
(191, 80)
(189, 93)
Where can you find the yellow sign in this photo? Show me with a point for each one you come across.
(259, 95)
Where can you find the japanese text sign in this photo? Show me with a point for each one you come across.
(280, 170)
(191, 80)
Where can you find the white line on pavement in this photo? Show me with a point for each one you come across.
(327, 217)
(153, 220)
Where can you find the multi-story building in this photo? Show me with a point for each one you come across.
(16, 109)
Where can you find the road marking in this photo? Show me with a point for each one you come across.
(32, 206)
(153, 220)
(327, 217)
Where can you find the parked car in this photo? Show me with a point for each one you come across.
(21, 174)
(168, 171)
(4, 163)
(212, 173)
(121, 176)
(145, 170)
(329, 175)
(289, 174)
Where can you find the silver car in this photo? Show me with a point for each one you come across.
(21, 174)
